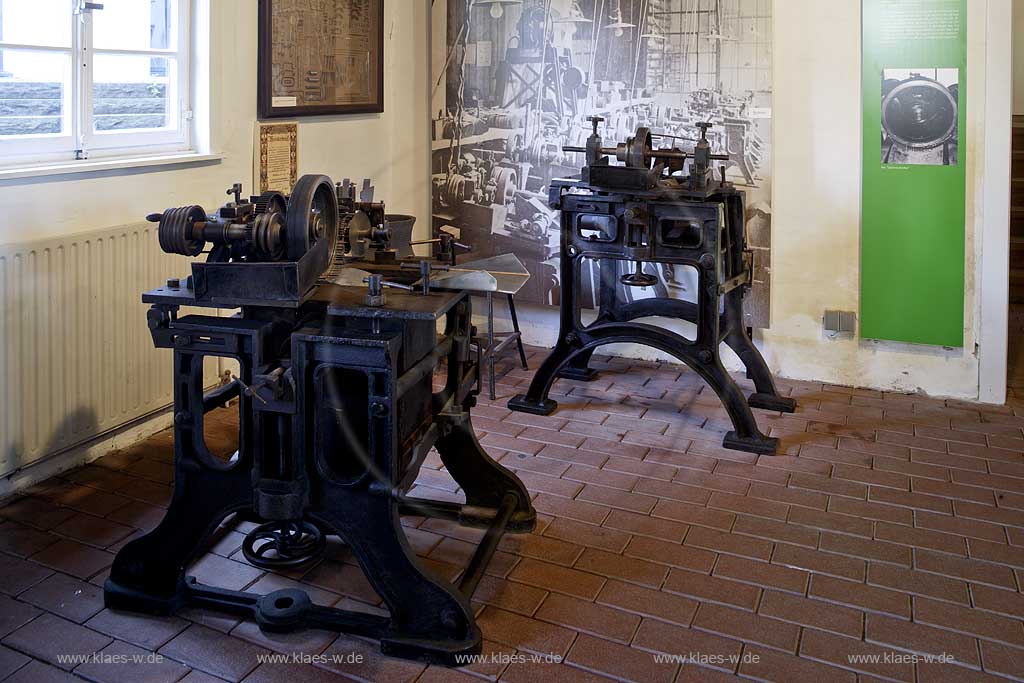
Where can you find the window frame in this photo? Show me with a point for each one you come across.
(80, 141)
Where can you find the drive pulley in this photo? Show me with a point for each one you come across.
(270, 227)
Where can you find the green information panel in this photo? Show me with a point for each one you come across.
(914, 184)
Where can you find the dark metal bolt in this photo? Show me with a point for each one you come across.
(378, 409)
(707, 261)
(182, 340)
(182, 418)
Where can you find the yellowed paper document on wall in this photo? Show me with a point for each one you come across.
(276, 158)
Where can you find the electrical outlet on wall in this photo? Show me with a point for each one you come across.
(840, 323)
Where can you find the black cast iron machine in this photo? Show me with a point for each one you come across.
(647, 210)
(337, 412)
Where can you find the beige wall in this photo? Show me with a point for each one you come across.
(392, 148)
(1018, 57)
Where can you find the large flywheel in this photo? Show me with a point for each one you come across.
(312, 220)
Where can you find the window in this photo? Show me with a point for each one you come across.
(85, 79)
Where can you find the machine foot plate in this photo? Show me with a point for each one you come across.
(521, 404)
(762, 445)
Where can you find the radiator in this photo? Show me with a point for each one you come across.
(76, 358)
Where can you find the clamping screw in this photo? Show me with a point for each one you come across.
(236, 190)
(378, 409)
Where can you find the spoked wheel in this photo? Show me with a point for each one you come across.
(279, 545)
(312, 219)
(638, 278)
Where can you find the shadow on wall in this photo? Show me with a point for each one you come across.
(81, 421)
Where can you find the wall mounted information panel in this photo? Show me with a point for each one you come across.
(914, 177)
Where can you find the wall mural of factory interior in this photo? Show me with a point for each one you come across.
(518, 79)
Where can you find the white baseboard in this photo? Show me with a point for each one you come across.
(121, 437)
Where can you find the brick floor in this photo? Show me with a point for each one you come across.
(892, 526)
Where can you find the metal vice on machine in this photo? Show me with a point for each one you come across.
(643, 211)
(337, 412)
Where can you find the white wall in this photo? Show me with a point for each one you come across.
(1018, 57)
(816, 211)
(391, 148)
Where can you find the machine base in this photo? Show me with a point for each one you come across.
(578, 374)
(289, 610)
(781, 404)
(521, 404)
(763, 445)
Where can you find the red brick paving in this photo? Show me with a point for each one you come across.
(892, 526)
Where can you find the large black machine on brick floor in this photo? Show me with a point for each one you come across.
(337, 412)
(647, 210)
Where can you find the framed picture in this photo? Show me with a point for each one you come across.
(320, 57)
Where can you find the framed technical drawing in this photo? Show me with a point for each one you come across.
(320, 57)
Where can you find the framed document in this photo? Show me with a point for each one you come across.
(277, 157)
(320, 57)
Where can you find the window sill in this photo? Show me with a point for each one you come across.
(114, 164)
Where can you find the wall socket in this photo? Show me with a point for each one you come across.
(840, 322)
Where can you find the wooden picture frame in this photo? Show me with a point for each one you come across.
(320, 57)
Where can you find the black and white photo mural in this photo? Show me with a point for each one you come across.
(516, 80)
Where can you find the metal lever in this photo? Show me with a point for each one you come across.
(438, 240)
(376, 281)
(250, 391)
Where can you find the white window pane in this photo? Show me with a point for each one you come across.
(35, 88)
(36, 22)
(133, 92)
(135, 25)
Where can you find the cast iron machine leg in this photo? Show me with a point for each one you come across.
(147, 574)
(342, 465)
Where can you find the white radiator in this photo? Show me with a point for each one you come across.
(76, 357)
